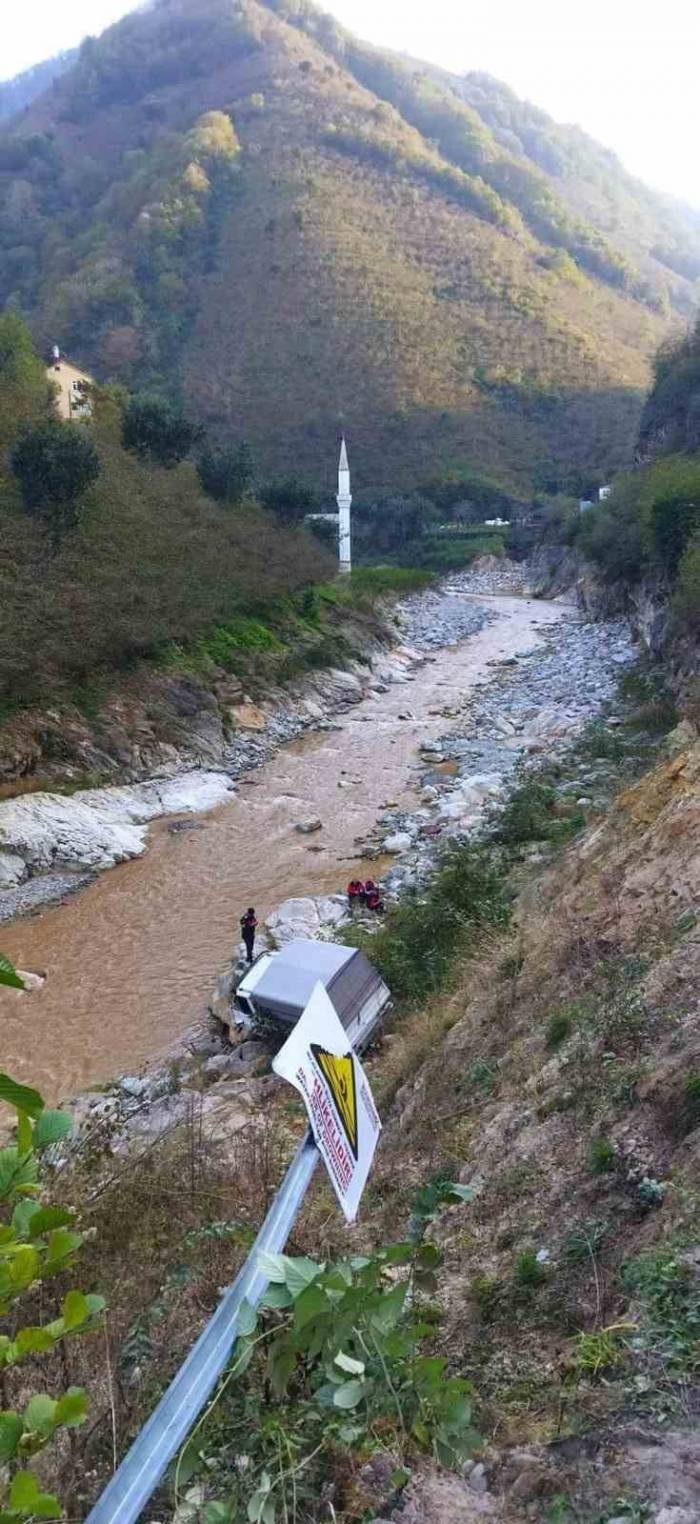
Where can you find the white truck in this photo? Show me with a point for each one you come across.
(277, 987)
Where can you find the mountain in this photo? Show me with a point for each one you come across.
(18, 93)
(244, 205)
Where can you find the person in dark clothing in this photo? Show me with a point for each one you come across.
(372, 897)
(249, 927)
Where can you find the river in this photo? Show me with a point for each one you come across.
(132, 959)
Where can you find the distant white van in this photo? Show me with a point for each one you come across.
(278, 986)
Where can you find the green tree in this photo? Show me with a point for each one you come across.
(158, 428)
(54, 464)
(674, 518)
(226, 473)
(290, 499)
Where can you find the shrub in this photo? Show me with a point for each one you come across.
(227, 473)
(37, 1244)
(155, 427)
(534, 813)
(528, 1270)
(55, 463)
(601, 1155)
(690, 1104)
(416, 946)
(558, 1028)
(289, 498)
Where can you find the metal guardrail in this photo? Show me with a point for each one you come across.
(135, 1480)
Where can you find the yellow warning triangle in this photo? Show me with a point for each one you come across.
(339, 1074)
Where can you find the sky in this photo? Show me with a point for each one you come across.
(625, 70)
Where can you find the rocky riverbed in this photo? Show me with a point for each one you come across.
(51, 844)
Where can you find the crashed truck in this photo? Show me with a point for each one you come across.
(273, 994)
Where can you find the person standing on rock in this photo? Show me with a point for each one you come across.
(249, 927)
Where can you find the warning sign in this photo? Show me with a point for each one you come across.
(340, 1074)
(316, 1059)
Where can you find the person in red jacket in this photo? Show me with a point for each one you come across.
(355, 892)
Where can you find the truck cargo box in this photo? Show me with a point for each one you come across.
(279, 985)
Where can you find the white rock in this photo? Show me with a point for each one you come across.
(399, 842)
(96, 828)
(12, 870)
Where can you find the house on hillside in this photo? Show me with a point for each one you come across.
(73, 387)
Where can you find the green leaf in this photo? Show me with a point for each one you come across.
(75, 1310)
(33, 1341)
(349, 1394)
(24, 1133)
(276, 1296)
(247, 1320)
(96, 1305)
(273, 1266)
(24, 1491)
(312, 1303)
(389, 1310)
(397, 1254)
(346, 1363)
(51, 1127)
(299, 1273)
(40, 1413)
(45, 1219)
(217, 1513)
(61, 1245)
(22, 1216)
(71, 1408)
(20, 1096)
(11, 1427)
(8, 974)
(46, 1506)
(428, 1256)
(24, 1266)
(17, 1175)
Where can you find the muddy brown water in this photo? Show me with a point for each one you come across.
(132, 959)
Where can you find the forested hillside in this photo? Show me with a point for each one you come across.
(110, 555)
(18, 93)
(241, 204)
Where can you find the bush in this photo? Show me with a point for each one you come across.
(289, 498)
(416, 947)
(155, 427)
(601, 1155)
(534, 813)
(55, 463)
(528, 1270)
(227, 473)
(558, 1029)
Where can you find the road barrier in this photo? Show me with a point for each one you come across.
(136, 1479)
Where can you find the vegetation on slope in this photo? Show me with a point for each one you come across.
(146, 561)
(203, 168)
(648, 530)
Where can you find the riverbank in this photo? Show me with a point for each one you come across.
(131, 960)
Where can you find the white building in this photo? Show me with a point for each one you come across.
(73, 387)
(344, 501)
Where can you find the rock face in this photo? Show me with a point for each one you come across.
(96, 828)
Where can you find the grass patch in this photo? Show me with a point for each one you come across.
(601, 1156)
